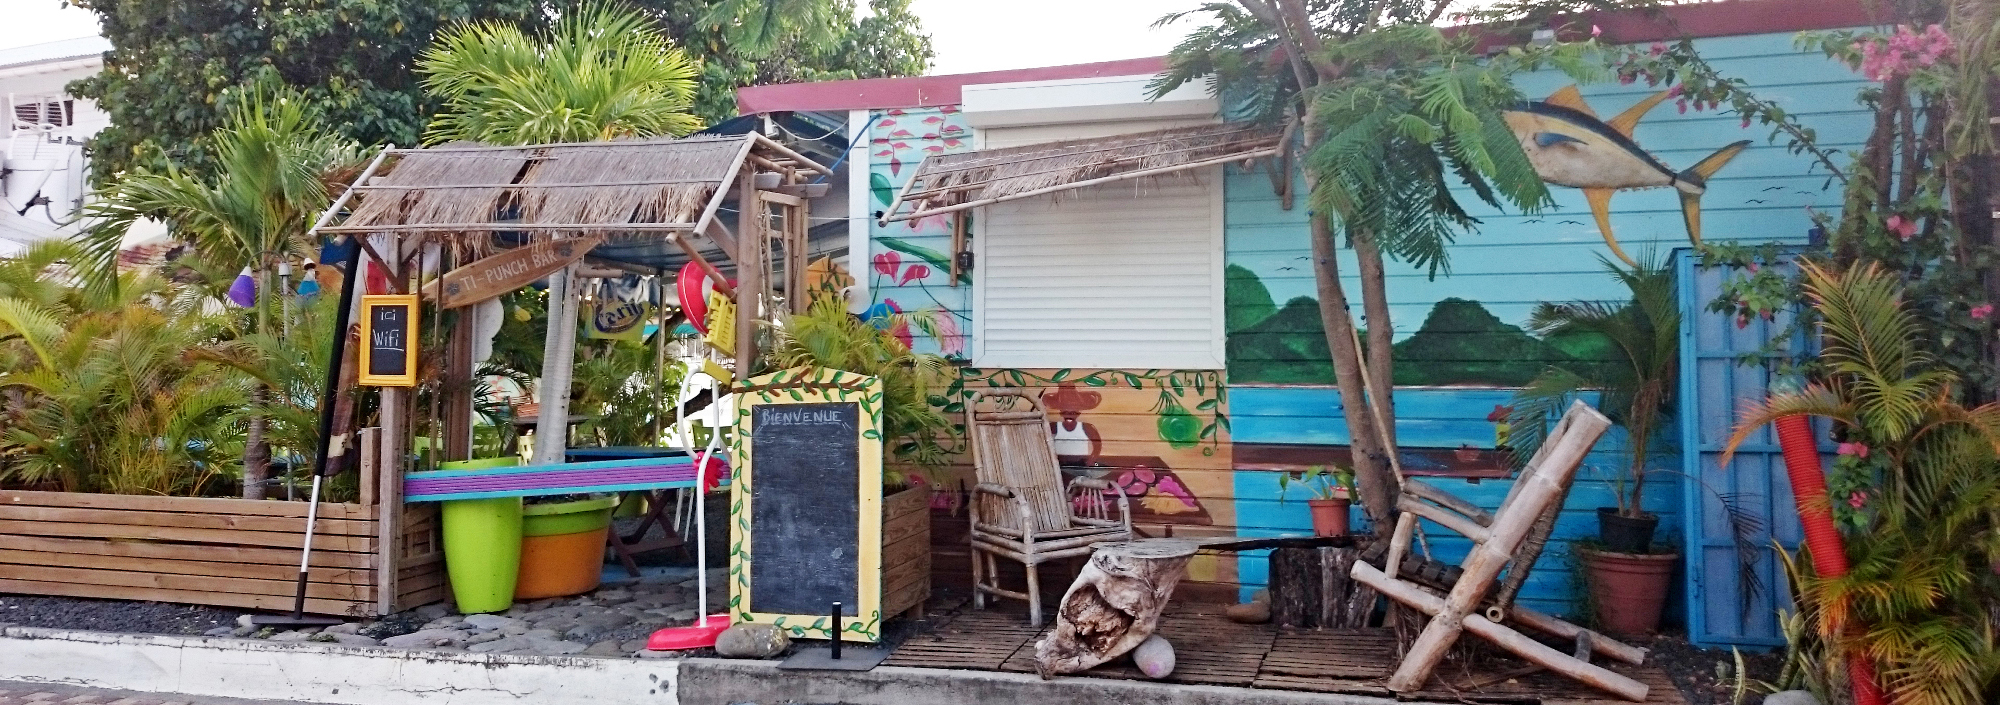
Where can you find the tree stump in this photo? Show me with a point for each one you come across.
(1114, 605)
(1310, 588)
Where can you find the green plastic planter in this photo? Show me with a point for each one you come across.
(482, 544)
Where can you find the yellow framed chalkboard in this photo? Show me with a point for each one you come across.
(389, 340)
(806, 503)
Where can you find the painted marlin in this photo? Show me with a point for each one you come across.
(1569, 146)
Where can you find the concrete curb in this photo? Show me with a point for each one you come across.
(724, 682)
(325, 673)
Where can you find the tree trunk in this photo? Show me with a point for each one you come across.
(1371, 468)
(1114, 605)
(1310, 588)
(256, 453)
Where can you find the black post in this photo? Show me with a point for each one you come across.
(341, 320)
(836, 631)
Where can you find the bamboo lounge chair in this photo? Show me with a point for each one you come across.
(1020, 508)
(1510, 538)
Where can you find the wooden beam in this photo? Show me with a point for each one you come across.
(721, 283)
(749, 271)
(532, 185)
(723, 238)
(957, 245)
(506, 227)
(780, 198)
(787, 152)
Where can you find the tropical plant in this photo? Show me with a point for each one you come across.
(1636, 390)
(827, 336)
(602, 71)
(1391, 111)
(275, 158)
(1918, 601)
(105, 392)
(615, 384)
(1337, 483)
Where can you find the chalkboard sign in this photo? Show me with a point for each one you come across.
(388, 340)
(807, 503)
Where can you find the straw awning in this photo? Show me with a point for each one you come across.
(955, 182)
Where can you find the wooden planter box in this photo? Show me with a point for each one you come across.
(195, 550)
(237, 553)
(906, 552)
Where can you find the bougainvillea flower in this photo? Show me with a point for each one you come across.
(1982, 312)
(1859, 450)
(1904, 228)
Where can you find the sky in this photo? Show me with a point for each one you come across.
(970, 35)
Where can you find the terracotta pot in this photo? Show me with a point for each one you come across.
(1629, 589)
(1329, 516)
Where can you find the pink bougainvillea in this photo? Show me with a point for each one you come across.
(1904, 228)
(1982, 312)
(1905, 51)
(1858, 450)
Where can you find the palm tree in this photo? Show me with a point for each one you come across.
(104, 393)
(1391, 112)
(274, 159)
(1920, 596)
(601, 72)
(1637, 389)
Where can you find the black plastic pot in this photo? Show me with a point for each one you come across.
(1623, 534)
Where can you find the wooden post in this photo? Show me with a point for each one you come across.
(1310, 588)
(957, 244)
(458, 387)
(751, 244)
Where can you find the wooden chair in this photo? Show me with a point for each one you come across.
(1509, 538)
(1021, 510)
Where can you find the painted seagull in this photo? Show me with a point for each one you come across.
(1569, 146)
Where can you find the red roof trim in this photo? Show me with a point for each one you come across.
(918, 91)
(1710, 19)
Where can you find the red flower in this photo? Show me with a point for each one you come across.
(914, 273)
(1682, 104)
(887, 263)
(1904, 228)
(1659, 48)
(1859, 450)
(1857, 499)
(1982, 312)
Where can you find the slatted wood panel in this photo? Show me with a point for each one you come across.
(979, 640)
(213, 551)
(1210, 650)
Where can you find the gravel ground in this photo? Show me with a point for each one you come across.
(112, 615)
(1707, 676)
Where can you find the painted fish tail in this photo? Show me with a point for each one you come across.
(1698, 176)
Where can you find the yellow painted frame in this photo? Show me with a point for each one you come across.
(807, 385)
(368, 304)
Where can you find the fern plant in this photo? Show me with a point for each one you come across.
(827, 336)
(1918, 600)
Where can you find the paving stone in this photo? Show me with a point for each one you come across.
(633, 645)
(515, 629)
(605, 648)
(220, 631)
(489, 621)
(355, 640)
(427, 638)
(543, 634)
(300, 635)
(348, 628)
(484, 638)
(501, 646)
(657, 654)
(243, 631)
(445, 622)
(431, 612)
(557, 648)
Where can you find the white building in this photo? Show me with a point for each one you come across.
(45, 176)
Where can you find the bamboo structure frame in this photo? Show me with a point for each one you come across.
(957, 182)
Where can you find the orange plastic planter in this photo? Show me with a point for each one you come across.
(562, 564)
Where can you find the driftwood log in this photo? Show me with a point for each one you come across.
(1311, 588)
(1114, 605)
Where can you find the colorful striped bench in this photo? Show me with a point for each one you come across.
(560, 478)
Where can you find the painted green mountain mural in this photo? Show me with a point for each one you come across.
(1459, 343)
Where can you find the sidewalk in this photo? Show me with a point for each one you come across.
(201, 667)
(44, 694)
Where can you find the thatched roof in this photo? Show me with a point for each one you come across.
(616, 187)
(954, 182)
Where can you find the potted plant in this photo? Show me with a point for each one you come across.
(1333, 493)
(1635, 385)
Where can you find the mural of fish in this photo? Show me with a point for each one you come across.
(1569, 146)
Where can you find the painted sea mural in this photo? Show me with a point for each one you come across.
(1202, 450)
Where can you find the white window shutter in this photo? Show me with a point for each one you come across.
(1122, 275)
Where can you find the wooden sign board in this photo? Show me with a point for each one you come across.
(508, 271)
(389, 340)
(806, 504)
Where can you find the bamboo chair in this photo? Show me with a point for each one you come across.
(1021, 510)
(1510, 539)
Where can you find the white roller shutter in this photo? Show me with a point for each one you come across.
(1124, 275)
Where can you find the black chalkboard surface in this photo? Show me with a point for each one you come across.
(805, 509)
(388, 330)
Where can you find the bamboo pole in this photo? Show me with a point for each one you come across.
(728, 179)
(1599, 643)
(773, 145)
(1446, 518)
(1535, 491)
(721, 282)
(1533, 651)
(940, 190)
(1054, 152)
(957, 245)
(889, 218)
(534, 185)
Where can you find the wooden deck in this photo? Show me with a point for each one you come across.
(1211, 650)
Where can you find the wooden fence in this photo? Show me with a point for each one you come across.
(225, 552)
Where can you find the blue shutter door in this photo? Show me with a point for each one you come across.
(1725, 608)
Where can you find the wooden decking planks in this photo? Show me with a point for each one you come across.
(1210, 650)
